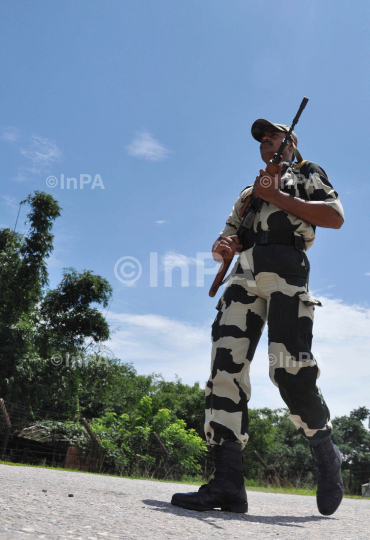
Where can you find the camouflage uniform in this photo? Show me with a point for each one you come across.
(270, 283)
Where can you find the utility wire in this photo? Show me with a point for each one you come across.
(16, 221)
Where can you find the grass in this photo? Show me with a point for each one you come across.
(189, 480)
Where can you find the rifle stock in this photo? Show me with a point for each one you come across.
(219, 277)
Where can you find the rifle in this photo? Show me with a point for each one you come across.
(252, 204)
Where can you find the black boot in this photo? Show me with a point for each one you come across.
(226, 490)
(330, 487)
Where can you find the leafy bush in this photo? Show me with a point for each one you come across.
(156, 445)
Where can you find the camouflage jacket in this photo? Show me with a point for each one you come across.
(305, 180)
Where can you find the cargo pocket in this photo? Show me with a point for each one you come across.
(219, 304)
(309, 300)
(307, 305)
(305, 320)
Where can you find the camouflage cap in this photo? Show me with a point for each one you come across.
(260, 126)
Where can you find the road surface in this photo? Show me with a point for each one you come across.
(34, 504)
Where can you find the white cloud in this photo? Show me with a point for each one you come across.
(341, 345)
(146, 147)
(171, 259)
(161, 345)
(129, 283)
(160, 222)
(337, 322)
(41, 153)
(367, 274)
(10, 134)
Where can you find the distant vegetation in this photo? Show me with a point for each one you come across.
(51, 359)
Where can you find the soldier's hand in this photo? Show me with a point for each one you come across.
(267, 187)
(226, 248)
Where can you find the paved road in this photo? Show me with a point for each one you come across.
(110, 507)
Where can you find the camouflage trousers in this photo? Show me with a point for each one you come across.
(270, 284)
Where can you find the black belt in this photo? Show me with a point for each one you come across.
(279, 237)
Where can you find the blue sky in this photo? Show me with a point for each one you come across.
(155, 100)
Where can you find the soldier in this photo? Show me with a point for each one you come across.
(270, 283)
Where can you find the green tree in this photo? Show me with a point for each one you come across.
(353, 440)
(276, 451)
(36, 323)
(23, 274)
(66, 318)
(110, 386)
(186, 402)
(134, 448)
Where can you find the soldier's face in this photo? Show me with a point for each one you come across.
(270, 142)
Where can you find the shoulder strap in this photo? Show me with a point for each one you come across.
(299, 165)
(248, 190)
